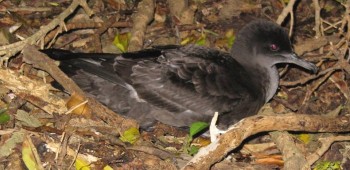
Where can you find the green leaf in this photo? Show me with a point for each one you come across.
(197, 127)
(131, 135)
(107, 167)
(210, 32)
(306, 138)
(185, 41)
(193, 150)
(30, 155)
(326, 165)
(81, 164)
(230, 37)
(4, 117)
(54, 3)
(121, 41)
(201, 41)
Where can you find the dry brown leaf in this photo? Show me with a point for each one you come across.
(78, 105)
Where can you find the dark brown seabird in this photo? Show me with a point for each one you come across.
(179, 85)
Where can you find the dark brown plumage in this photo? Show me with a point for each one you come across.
(179, 85)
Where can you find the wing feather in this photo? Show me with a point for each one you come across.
(194, 78)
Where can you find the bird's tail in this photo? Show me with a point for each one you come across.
(58, 54)
(94, 73)
(73, 63)
(98, 80)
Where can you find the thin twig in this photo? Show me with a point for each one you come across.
(287, 10)
(8, 51)
(312, 77)
(316, 86)
(325, 144)
(317, 18)
(73, 108)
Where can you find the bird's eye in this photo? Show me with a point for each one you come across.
(274, 47)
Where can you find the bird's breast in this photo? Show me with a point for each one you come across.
(267, 80)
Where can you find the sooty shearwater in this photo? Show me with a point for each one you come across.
(179, 85)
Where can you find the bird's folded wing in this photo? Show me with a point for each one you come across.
(192, 78)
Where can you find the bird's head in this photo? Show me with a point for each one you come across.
(265, 44)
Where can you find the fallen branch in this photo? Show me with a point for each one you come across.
(255, 124)
(144, 15)
(293, 156)
(29, 89)
(41, 61)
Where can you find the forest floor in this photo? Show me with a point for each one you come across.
(43, 128)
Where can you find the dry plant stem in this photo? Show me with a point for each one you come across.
(336, 51)
(341, 84)
(331, 25)
(325, 144)
(315, 86)
(286, 104)
(76, 106)
(284, 71)
(312, 77)
(75, 157)
(153, 33)
(41, 61)
(60, 28)
(287, 10)
(291, 23)
(152, 151)
(54, 147)
(63, 150)
(35, 100)
(26, 9)
(330, 54)
(144, 15)
(84, 25)
(60, 146)
(85, 128)
(214, 152)
(312, 44)
(317, 18)
(9, 50)
(293, 157)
